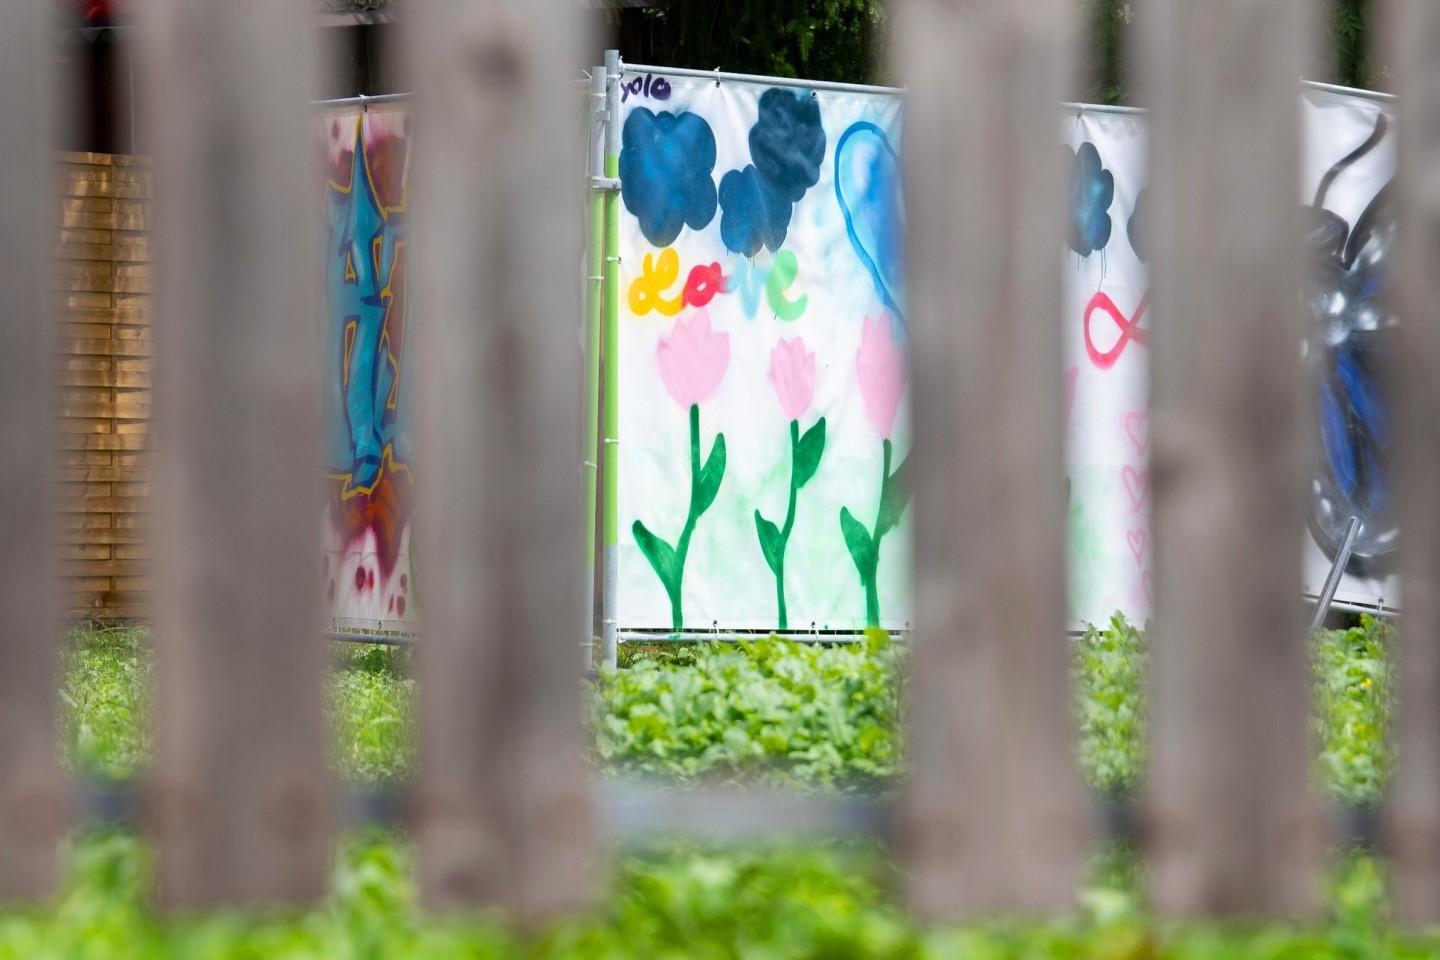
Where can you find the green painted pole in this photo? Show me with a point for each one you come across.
(594, 305)
(610, 554)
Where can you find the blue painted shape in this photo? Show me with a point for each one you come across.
(870, 191)
(1090, 193)
(361, 366)
(787, 143)
(752, 215)
(666, 160)
(749, 281)
(1335, 437)
(1364, 395)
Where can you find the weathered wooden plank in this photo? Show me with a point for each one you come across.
(105, 378)
(32, 791)
(242, 800)
(101, 440)
(991, 816)
(106, 567)
(100, 474)
(1231, 827)
(113, 347)
(1413, 819)
(504, 809)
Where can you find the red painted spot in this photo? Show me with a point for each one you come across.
(359, 578)
(392, 604)
(400, 605)
(404, 581)
(334, 129)
(371, 582)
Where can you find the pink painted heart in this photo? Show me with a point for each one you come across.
(1071, 376)
(1135, 430)
(1138, 540)
(1147, 580)
(1137, 487)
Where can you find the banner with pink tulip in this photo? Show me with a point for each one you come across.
(763, 381)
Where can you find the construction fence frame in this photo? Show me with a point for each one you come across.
(990, 818)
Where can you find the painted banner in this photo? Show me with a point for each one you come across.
(369, 579)
(763, 376)
(1347, 162)
(1107, 366)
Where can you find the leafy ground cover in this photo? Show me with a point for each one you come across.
(820, 717)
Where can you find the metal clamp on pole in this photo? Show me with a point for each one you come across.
(605, 184)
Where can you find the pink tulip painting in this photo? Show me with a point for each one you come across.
(792, 372)
(880, 370)
(693, 360)
(692, 363)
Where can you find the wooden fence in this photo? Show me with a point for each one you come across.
(103, 278)
(990, 818)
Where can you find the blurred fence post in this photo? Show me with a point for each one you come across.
(1414, 823)
(240, 804)
(992, 819)
(503, 806)
(32, 801)
(1230, 826)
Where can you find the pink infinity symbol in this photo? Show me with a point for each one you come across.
(1129, 328)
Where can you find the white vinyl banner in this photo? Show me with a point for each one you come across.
(1348, 158)
(1106, 323)
(763, 377)
(763, 382)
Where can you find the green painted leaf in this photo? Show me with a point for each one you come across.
(895, 496)
(661, 555)
(770, 543)
(857, 538)
(807, 454)
(710, 476)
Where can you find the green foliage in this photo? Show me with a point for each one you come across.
(824, 715)
(1110, 698)
(1354, 693)
(105, 701)
(834, 40)
(821, 716)
(372, 714)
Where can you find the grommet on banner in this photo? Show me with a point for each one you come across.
(717, 76)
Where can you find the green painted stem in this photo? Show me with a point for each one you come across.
(872, 587)
(789, 525)
(682, 546)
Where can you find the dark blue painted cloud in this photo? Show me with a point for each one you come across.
(1135, 228)
(665, 165)
(1092, 190)
(753, 216)
(787, 146)
(787, 143)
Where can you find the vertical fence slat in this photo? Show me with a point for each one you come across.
(503, 810)
(240, 800)
(1414, 821)
(31, 801)
(992, 819)
(1230, 826)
